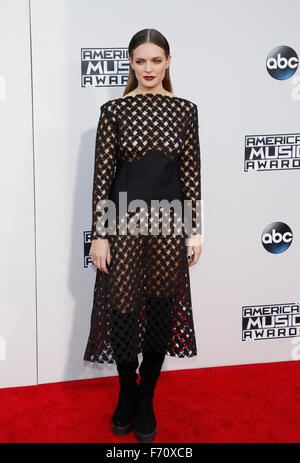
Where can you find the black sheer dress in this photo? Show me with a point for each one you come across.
(147, 145)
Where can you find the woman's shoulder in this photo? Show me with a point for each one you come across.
(132, 96)
(116, 104)
(189, 103)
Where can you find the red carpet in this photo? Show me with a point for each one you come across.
(243, 403)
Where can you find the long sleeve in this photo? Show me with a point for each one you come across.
(190, 172)
(104, 168)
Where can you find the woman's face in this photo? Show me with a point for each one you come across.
(149, 60)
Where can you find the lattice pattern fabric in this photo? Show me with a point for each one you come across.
(148, 146)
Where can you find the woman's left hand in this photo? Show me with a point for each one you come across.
(193, 253)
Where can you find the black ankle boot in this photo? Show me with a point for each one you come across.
(122, 420)
(145, 420)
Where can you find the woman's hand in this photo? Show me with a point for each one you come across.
(193, 253)
(100, 253)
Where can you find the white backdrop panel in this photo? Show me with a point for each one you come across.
(18, 361)
(218, 61)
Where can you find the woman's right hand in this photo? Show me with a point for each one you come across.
(100, 253)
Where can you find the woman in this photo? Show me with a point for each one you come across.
(147, 147)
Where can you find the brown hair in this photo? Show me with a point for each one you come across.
(144, 36)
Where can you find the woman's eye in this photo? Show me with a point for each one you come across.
(156, 61)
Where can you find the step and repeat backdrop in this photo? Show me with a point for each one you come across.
(60, 61)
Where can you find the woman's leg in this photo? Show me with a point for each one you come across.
(124, 414)
(145, 421)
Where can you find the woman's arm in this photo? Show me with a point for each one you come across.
(104, 168)
(190, 174)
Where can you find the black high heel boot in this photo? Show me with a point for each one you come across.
(122, 420)
(145, 420)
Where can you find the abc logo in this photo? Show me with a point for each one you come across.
(282, 62)
(277, 237)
